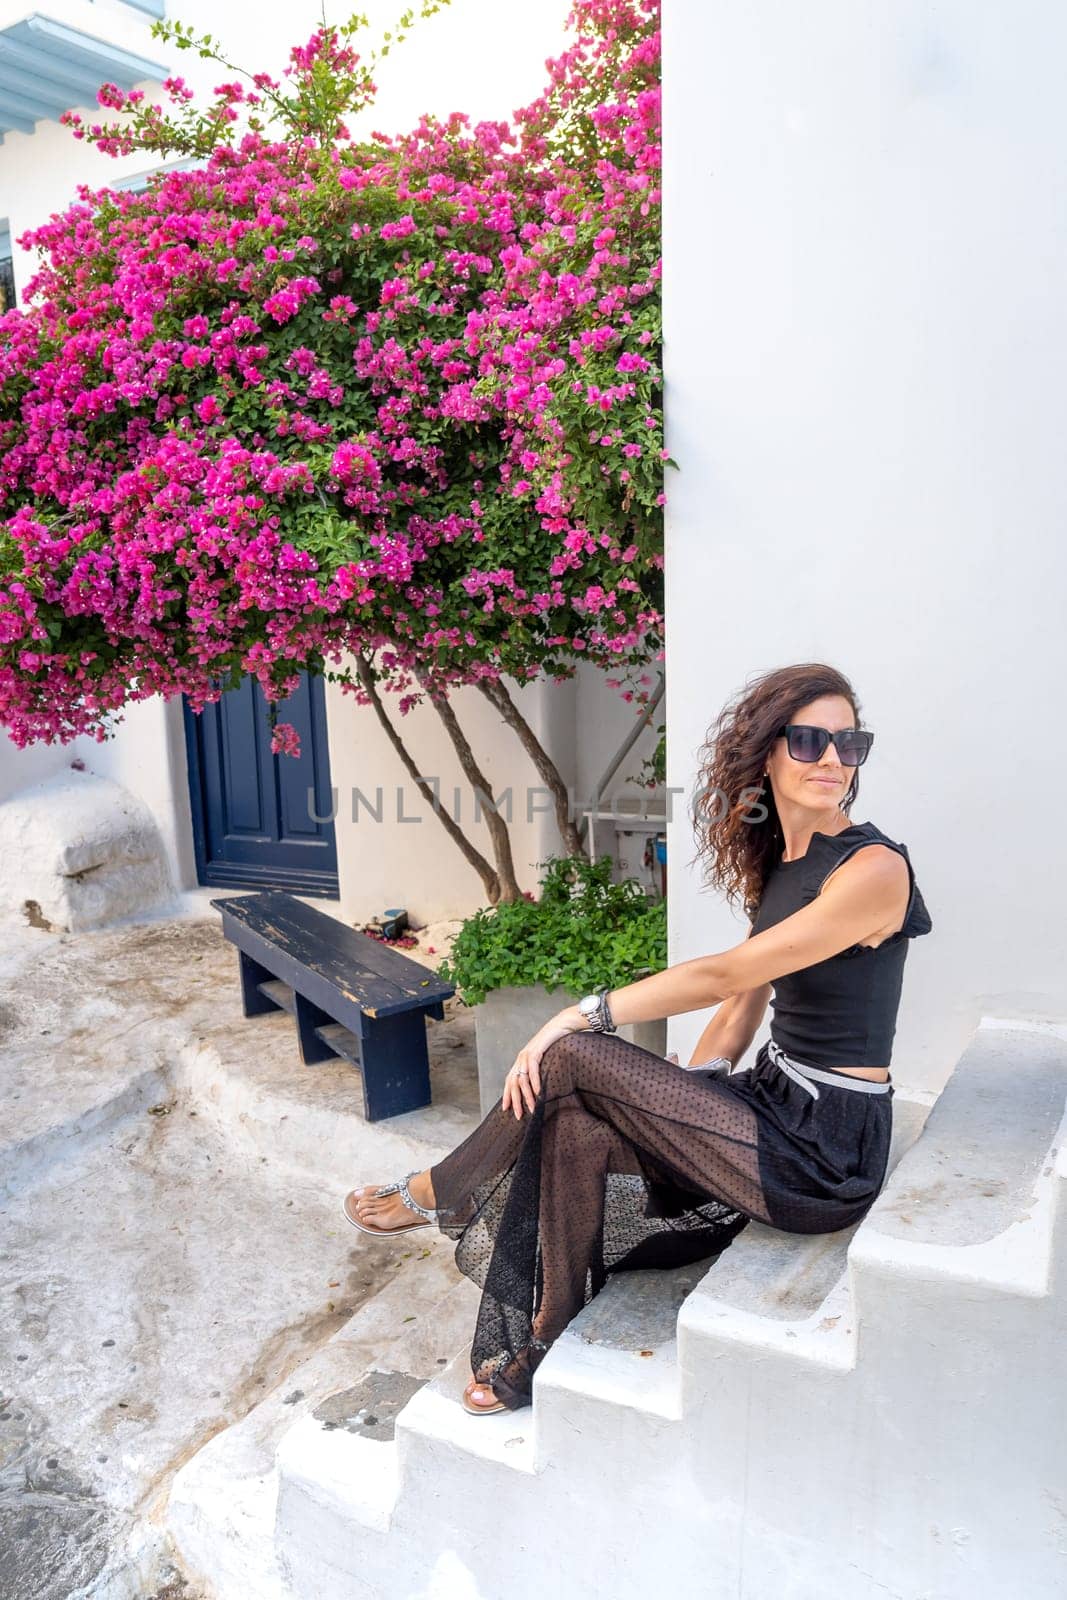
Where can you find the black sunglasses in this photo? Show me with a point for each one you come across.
(853, 745)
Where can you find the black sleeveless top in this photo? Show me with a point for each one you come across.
(841, 1012)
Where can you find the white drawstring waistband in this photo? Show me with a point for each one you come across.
(802, 1073)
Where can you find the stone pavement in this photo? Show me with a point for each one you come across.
(171, 1240)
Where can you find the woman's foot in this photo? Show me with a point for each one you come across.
(480, 1397)
(388, 1210)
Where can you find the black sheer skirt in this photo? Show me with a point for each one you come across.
(628, 1161)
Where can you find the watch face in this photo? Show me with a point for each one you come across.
(590, 1009)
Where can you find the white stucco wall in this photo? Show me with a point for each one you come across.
(146, 755)
(866, 336)
(21, 768)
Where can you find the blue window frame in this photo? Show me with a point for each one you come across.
(7, 269)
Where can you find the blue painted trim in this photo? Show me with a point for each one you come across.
(25, 108)
(24, 55)
(47, 68)
(197, 800)
(70, 44)
(221, 875)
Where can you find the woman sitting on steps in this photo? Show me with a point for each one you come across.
(602, 1156)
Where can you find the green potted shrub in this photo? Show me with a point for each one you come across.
(520, 962)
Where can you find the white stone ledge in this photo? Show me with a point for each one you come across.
(83, 850)
(977, 1201)
(827, 1338)
(353, 1477)
(436, 1415)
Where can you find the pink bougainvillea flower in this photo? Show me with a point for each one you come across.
(284, 739)
(441, 447)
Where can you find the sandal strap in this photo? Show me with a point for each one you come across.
(405, 1195)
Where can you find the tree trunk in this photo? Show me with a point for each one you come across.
(498, 829)
(496, 693)
(484, 868)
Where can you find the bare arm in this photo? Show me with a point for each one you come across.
(860, 897)
(733, 1027)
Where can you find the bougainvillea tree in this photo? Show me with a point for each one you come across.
(386, 409)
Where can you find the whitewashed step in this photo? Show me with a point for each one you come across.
(222, 1510)
(435, 1423)
(941, 1382)
(975, 1203)
(614, 1372)
(784, 1293)
(766, 1290)
(359, 1519)
(870, 1377)
(606, 1412)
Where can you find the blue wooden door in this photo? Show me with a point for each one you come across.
(255, 815)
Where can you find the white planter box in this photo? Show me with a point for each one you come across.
(508, 1018)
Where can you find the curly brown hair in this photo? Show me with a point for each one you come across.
(741, 847)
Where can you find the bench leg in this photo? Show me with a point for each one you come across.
(308, 1018)
(396, 1065)
(252, 974)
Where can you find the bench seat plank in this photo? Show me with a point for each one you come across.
(379, 981)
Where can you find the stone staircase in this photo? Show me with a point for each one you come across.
(878, 1412)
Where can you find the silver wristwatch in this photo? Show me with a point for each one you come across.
(595, 1010)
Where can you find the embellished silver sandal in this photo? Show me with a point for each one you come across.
(401, 1188)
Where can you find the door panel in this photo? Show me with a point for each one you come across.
(253, 815)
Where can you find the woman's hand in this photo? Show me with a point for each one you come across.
(523, 1083)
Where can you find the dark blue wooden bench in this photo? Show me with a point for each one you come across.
(351, 995)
